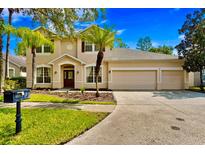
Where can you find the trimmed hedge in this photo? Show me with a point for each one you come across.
(21, 81)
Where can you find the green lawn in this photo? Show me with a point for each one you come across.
(46, 126)
(56, 99)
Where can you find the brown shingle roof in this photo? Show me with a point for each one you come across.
(17, 60)
(133, 54)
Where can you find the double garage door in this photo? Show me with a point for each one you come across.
(146, 79)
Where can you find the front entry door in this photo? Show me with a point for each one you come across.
(69, 78)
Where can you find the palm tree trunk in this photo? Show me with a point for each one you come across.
(201, 80)
(8, 45)
(97, 69)
(1, 46)
(33, 66)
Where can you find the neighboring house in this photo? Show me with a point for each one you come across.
(16, 66)
(73, 61)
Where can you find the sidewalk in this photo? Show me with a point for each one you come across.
(83, 107)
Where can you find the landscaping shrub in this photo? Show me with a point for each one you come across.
(10, 85)
(82, 89)
(21, 81)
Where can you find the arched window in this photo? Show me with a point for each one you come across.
(43, 75)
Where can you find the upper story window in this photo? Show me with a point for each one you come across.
(44, 49)
(90, 74)
(43, 75)
(90, 47)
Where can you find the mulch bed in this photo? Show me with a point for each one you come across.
(87, 96)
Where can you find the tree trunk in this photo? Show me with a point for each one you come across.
(97, 69)
(1, 46)
(33, 66)
(201, 80)
(8, 45)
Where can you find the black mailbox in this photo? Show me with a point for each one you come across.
(12, 96)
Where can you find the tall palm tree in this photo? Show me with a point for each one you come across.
(1, 45)
(30, 40)
(101, 38)
(11, 12)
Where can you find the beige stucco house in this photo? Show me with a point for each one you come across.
(73, 61)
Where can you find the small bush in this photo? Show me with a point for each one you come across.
(21, 81)
(10, 85)
(82, 89)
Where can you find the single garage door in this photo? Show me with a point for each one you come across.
(172, 80)
(131, 80)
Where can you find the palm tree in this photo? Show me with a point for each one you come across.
(101, 38)
(1, 44)
(30, 40)
(11, 12)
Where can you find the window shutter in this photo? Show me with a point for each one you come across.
(83, 45)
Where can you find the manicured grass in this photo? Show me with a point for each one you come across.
(49, 98)
(46, 126)
(56, 99)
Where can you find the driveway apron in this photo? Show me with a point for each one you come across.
(159, 117)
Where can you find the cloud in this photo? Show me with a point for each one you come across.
(155, 44)
(104, 21)
(181, 37)
(120, 31)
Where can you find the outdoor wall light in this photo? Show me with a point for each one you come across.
(77, 72)
(109, 71)
(55, 72)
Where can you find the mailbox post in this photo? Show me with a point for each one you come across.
(15, 96)
(18, 116)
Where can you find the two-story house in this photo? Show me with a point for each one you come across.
(72, 63)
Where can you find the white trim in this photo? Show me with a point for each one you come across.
(133, 68)
(171, 68)
(43, 65)
(14, 73)
(85, 76)
(145, 68)
(82, 62)
(43, 53)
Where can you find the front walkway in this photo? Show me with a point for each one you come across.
(161, 117)
(83, 107)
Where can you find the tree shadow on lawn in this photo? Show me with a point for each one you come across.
(178, 94)
(57, 106)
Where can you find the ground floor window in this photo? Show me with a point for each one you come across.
(11, 72)
(43, 75)
(203, 75)
(90, 74)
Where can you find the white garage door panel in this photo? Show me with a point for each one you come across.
(172, 80)
(141, 80)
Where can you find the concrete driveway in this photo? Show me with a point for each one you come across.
(151, 118)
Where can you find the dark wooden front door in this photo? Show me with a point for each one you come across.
(69, 78)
